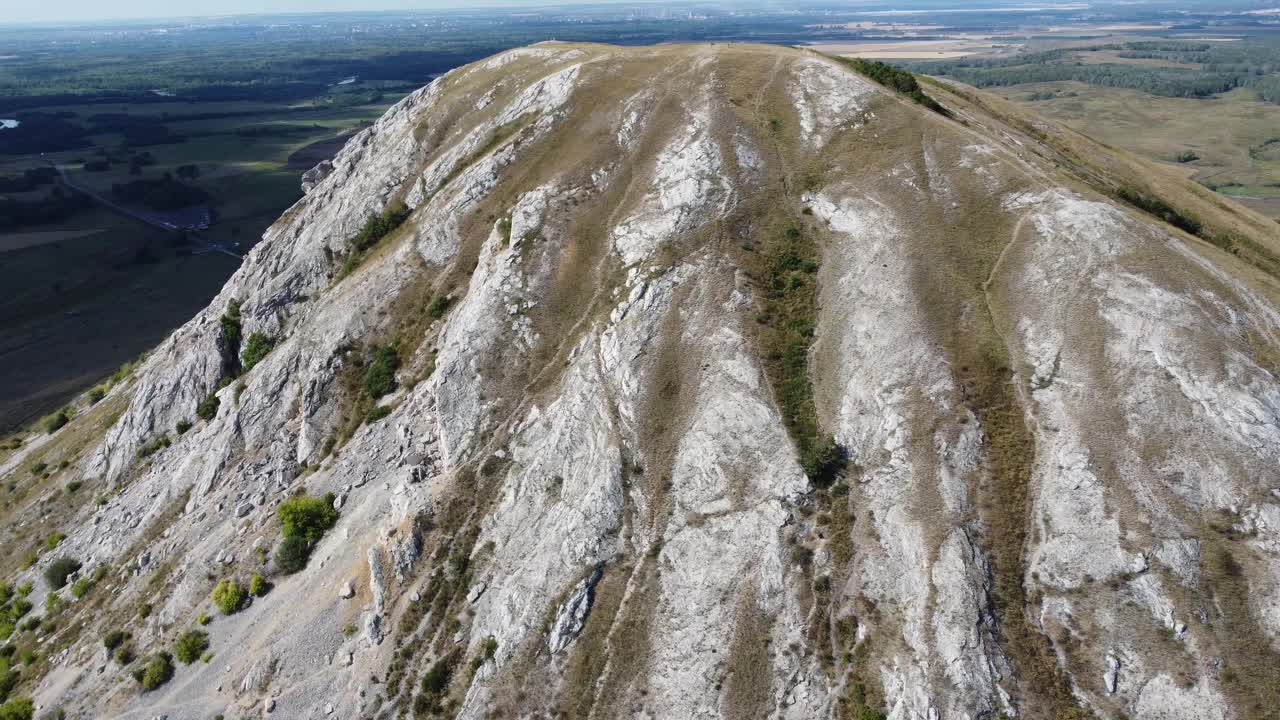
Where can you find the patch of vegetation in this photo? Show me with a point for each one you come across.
(182, 427)
(190, 646)
(124, 655)
(157, 672)
(379, 412)
(435, 683)
(231, 337)
(255, 349)
(96, 394)
(438, 306)
(58, 570)
(81, 588)
(228, 596)
(156, 445)
(53, 541)
(114, 639)
(895, 79)
(18, 709)
(292, 555)
(304, 520)
(56, 421)
(1186, 156)
(375, 228)
(1159, 208)
(380, 377)
(791, 305)
(257, 586)
(163, 193)
(308, 517)
(208, 407)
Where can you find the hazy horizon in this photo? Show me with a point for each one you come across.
(83, 11)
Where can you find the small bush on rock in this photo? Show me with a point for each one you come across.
(158, 671)
(58, 570)
(190, 646)
(292, 555)
(380, 378)
(304, 521)
(18, 709)
(114, 639)
(208, 407)
(228, 597)
(256, 348)
(308, 517)
(56, 421)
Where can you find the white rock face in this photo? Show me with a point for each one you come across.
(1061, 420)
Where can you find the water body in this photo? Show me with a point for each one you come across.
(5, 123)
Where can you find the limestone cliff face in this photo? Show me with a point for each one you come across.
(731, 384)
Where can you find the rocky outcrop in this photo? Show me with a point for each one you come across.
(638, 291)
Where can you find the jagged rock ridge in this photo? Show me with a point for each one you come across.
(637, 291)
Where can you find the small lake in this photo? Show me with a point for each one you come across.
(5, 124)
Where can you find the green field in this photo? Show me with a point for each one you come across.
(88, 293)
(1229, 132)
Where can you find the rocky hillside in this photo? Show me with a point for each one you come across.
(705, 381)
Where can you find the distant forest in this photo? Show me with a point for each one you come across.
(1223, 66)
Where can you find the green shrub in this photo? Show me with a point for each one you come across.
(153, 447)
(114, 639)
(56, 421)
(374, 229)
(159, 670)
(255, 349)
(308, 517)
(58, 570)
(124, 655)
(378, 412)
(438, 307)
(257, 586)
(228, 596)
(292, 555)
(39, 468)
(208, 407)
(203, 619)
(81, 588)
(891, 77)
(380, 377)
(190, 646)
(377, 227)
(231, 330)
(54, 540)
(1156, 206)
(74, 485)
(18, 709)
(96, 394)
(182, 427)
(144, 611)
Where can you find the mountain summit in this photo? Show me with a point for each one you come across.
(693, 381)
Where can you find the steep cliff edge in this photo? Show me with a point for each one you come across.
(691, 381)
